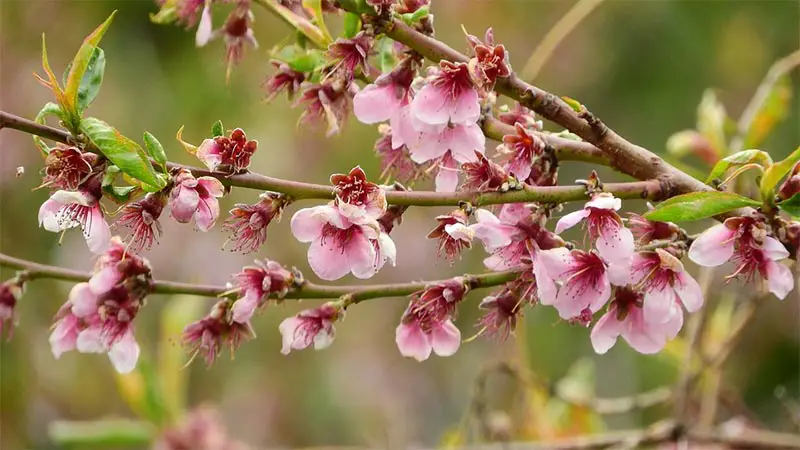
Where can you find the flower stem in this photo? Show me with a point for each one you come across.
(307, 290)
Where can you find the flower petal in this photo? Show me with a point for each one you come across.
(446, 179)
(688, 291)
(605, 332)
(433, 105)
(375, 104)
(571, 219)
(779, 279)
(125, 353)
(445, 338)
(91, 340)
(616, 244)
(207, 212)
(306, 225)
(97, 232)
(361, 257)
(324, 338)
(83, 300)
(327, 259)
(714, 247)
(288, 329)
(657, 305)
(412, 342)
(774, 250)
(48, 216)
(183, 203)
(244, 308)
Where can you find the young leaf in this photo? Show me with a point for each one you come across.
(123, 152)
(119, 194)
(80, 65)
(49, 109)
(776, 172)
(92, 79)
(217, 129)
(711, 118)
(319, 18)
(52, 84)
(738, 159)
(386, 55)
(791, 205)
(308, 62)
(772, 110)
(698, 205)
(352, 24)
(155, 149)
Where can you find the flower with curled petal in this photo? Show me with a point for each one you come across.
(452, 233)
(604, 225)
(310, 327)
(195, 198)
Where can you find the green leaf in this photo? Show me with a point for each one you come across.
(319, 18)
(357, 7)
(217, 129)
(791, 205)
(61, 98)
(416, 16)
(119, 194)
(101, 433)
(123, 152)
(49, 109)
(386, 56)
(738, 159)
(308, 62)
(92, 79)
(698, 205)
(155, 149)
(776, 172)
(167, 14)
(711, 119)
(352, 24)
(81, 65)
(772, 111)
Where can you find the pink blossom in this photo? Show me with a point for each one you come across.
(256, 284)
(231, 154)
(396, 162)
(248, 223)
(323, 101)
(646, 231)
(502, 312)
(513, 237)
(574, 280)
(519, 114)
(64, 336)
(437, 302)
(68, 209)
(449, 97)
(447, 173)
(339, 246)
(359, 200)
(626, 318)
(452, 233)
(142, 218)
(484, 175)
(427, 142)
(67, 167)
(236, 32)
(195, 198)
(351, 54)
(604, 225)
(285, 78)
(715, 246)
(417, 339)
(490, 61)
(764, 261)
(521, 150)
(209, 335)
(662, 278)
(312, 326)
(383, 99)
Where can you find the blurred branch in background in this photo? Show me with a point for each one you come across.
(547, 46)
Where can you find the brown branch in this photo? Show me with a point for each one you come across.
(307, 290)
(300, 190)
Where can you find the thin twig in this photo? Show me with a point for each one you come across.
(555, 35)
(300, 190)
(306, 291)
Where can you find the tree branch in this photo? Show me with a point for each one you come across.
(307, 290)
(300, 190)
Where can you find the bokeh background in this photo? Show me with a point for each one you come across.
(642, 66)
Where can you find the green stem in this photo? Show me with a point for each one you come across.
(307, 290)
(301, 24)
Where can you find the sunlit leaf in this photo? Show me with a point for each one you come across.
(81, 64)
(123, 152)
(759, 157)
(772, 111)
(775, 174)
(110, 433)
(711, 119)
(698, 205)
(155, 149)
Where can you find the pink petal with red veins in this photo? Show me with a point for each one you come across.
(289, 336)
(445, 338)
(97, 232)
(48, 216)
(605, 332)
(616, 245)
(412, 342)
(579, 293)
(774, 249)
(571, 219)
(554, 262)
(714, 247)
(207, 212)
(183, 203)
(125, 353)
(375, 104)
(403, 131)
(491, 231)
(433, 143)
(307, 224)
(446, 179)
(433, 105)
(327, 259)
(658, 304)
(83, 300)
(688, 291)
(779, 279)
(467, 108)
(464, 140)
(361, 257)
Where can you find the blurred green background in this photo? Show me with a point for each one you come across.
(642, 66)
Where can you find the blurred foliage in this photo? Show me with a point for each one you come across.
(645, 75)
